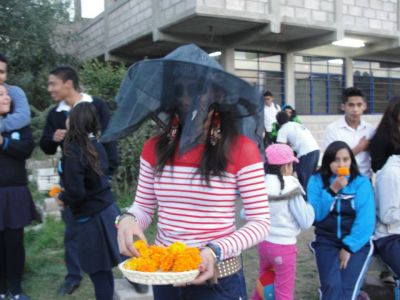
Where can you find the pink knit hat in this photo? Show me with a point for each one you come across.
(280, 154)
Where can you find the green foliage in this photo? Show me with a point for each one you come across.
(30, 32)
(102, 79)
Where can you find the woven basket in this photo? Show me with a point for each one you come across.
(158, 278)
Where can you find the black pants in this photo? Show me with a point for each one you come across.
(12, 260)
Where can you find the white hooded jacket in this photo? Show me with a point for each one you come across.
(387, 197)
(288, 210)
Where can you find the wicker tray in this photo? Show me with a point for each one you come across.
(158, 278)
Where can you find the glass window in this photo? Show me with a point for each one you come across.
(319, 83)
(264, 70)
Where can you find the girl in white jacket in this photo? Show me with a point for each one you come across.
(289, 214)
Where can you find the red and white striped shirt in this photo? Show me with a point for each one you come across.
(192, 212)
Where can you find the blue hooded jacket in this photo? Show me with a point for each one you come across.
(348, 217)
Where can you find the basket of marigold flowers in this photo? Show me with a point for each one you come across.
(174, 264)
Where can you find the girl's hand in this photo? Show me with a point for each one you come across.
(344, 257)
(206, 268)
(127, 229)
(1, 139)
(339, 183)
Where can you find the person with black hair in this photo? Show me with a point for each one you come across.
(17, 209)
(20, 115)
(386, 141)
(344, 206)
(87, 192)
(270, 111)
(302, 142)
(63, 86)
(352, 129)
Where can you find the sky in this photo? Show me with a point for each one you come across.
(91, 8)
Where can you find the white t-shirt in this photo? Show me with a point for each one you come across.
(298, 137)
(270, 113)
(340, 131)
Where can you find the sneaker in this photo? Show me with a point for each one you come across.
(19, 297)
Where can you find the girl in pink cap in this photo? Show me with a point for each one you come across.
(289, 214)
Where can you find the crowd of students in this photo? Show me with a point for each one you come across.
(194, 190)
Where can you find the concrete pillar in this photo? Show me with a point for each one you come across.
(228, 59)
(289, 79)
(348, 61)
(78, 9)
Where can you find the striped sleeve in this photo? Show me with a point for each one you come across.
(145, 202)
(251, 185)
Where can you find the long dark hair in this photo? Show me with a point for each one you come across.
(276, 170)
(330, 156)
(83, 120)
(214, 159)
(390, 122)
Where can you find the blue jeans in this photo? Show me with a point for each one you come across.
(232, 287)
(71, 248)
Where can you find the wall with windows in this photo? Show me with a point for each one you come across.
(319, 82)
(264, 70)
(380, 81)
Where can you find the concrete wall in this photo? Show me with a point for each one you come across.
(313, 12)
(379, 16)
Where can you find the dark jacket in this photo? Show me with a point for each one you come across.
(86, 192)
(56, 120)
(16, 148)
(381, 148)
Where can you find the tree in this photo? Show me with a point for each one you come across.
(30, 33)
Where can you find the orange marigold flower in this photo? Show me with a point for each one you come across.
(55, 189)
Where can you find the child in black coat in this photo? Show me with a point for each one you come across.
(87, 192)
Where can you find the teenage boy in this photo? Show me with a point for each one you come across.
(352, 129)
(20, 115)
(302, 142)
(270, 111)
(63, 86)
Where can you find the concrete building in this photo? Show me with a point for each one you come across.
(282, 45)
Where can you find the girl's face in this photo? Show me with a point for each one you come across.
(342, 160)
(5, 100)
(289, 112)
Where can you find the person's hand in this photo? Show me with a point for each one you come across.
(206, 268)
(344, 257)
(1, 139)
(59, 135)
(127, 229)
(59, 202)
(339, 183)
(361, 146)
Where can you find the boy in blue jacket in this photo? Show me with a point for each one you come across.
(344, 223)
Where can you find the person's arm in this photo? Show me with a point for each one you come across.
(282, 135)
(21, 114)
(319, 197)
(19, 145)
(378, 149)
(388, 196)
(47, 143)
(251, 185)
(73, 178)
(302, 211)
(364, 223)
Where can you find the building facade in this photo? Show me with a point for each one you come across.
(281, 45)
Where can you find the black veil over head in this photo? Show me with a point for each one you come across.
(186, 81)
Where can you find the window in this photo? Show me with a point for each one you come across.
(380, 81)
(263, 70)
(319, 82)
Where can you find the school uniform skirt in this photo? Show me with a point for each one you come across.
(98, 245)
(17, 209)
